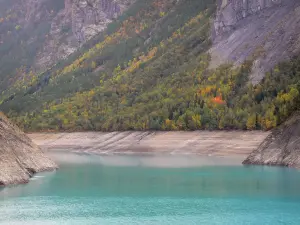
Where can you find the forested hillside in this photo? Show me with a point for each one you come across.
(35, 35)
(150, 69)
(21, 36)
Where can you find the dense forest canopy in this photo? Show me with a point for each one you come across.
(149, 70)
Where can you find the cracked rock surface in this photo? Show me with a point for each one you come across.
(281, 147)
(20, 158)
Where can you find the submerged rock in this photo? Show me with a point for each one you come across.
(20, 158)
(281, 147)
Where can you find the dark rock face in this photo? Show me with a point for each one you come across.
(20, 158)
(281, 147)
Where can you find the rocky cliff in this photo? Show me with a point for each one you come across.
(230, 12)
(36, 34)
(281, 147)
(79, 21)
(266, 31)
(20, 158)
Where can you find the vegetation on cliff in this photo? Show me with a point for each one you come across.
(150, 70)
(281, 147)
(21, 38)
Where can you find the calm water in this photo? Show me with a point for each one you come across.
(151, 190)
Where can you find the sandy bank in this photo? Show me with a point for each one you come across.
(217, 143)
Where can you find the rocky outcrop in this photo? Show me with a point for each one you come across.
(266, 31)
(232, 11)
(281, 147)
(79, 21)
(20, 158)
(59, 27)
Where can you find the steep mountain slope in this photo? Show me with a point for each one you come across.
(268, 29)
(281, 147)
(34, 35)
(155, 67)
(20, 158)
(78, 22)
(23, 28)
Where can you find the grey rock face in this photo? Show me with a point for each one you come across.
(87, 16)
(78, 22)
(232, 11)
(265, 31)
(71, 22)
(281, 147)
(20, 158)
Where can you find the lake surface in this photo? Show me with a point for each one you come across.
(154, 190)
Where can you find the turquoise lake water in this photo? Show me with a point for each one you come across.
(151, 190)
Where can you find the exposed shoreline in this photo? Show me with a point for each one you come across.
(204, 143)
(20, 158)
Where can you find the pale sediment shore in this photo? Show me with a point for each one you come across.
(206, 143)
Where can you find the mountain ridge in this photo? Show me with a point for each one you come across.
(160, 65)
(151, 69)
(48, 31)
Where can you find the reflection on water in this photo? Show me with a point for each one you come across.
(154, 190)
